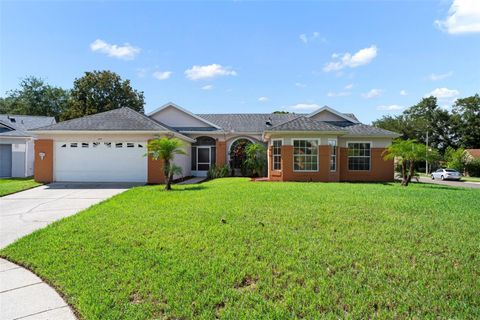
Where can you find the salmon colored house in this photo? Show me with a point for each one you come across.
(325, 145)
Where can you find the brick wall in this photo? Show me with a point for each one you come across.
(220, 153)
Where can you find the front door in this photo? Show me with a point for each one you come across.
(203, 161)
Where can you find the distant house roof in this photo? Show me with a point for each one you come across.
(475, 153)
(18, 125)
(121, 119)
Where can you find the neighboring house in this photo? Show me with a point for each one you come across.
(16, 144)
(325, 145)
(472, 154)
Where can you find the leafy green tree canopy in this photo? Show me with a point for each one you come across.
(100, 91)
(466, 121)
(36, 98)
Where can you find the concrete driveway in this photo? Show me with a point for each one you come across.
(24, 212)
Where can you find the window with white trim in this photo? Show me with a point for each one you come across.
(305, 155)
(358, 156)
(332, 143)
(277, 154)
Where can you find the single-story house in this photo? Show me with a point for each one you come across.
(325, 145)
(472, 154)
(16, 143)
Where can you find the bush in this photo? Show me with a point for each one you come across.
(473, 168)
(218, 172)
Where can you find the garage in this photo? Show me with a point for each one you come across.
(5, 160)
(100, 161)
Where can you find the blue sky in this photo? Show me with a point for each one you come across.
(370, 58)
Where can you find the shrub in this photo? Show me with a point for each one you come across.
(473, 168)
(218, 172)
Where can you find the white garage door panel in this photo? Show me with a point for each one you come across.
(100, 163)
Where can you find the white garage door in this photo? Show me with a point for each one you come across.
(100, 161)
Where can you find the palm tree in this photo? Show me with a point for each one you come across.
(165, 149)
(409, 152)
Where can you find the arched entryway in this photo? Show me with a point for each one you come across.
(237, 156)
(203, 155)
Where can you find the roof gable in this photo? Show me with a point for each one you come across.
(328, 114)
(178, 117)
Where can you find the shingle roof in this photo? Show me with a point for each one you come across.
(17, 125)
(474, 152)
(303, 123)
(247, 122)
(364, 129)
(122, 119)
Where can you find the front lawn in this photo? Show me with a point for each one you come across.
(12, 185)
(236, 249)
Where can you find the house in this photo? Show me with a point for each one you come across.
(16, 143)
(325, 145)
(472, 154)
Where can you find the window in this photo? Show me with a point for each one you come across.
(84, 145)
(277, 154)
(73, 145)
(108, 144)
(118, 145)
(333, 154)
(305, 155)
(64, 145)
(359, 156)
(130, 145)
(95, 144)
(140, 146)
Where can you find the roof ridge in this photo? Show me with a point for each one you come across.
(280, 124)
(24, 115)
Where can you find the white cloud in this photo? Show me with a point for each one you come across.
(392, 107)
(463, 17)
(207, 87)
(306, 38)
(444, 93)
(126, 52)
(403, 92)
(360, 58)
(208, 72)
(300, 85)
(263, 99)
(338, 94)
(304, 106)
(436, 77)
(162, 75)
(141, 72)
(372, 94)
(349, 86)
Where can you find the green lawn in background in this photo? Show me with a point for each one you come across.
(12, 185)
(235, 249)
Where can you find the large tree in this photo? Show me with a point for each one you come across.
(420, 119)
(466, 121)
(100, 91)
(36, 98)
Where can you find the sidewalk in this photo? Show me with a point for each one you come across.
(39, 301)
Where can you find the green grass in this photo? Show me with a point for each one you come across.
(12, 185)
(236, 249)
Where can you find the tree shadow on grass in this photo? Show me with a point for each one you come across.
(189, 188)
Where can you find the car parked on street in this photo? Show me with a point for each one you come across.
(446, 174)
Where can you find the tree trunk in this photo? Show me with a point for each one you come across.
(167, 175)
(411, 173)
(404, 173)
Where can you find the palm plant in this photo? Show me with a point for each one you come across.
(256, 161)
(165, 149)
(409, 152)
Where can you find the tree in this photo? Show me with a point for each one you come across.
(256, 158)
(165, 149)
(409, 152)
(100, 91)
(456, 159)
(466, 121)
(36, 98)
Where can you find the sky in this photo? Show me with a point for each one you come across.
(370, 58)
